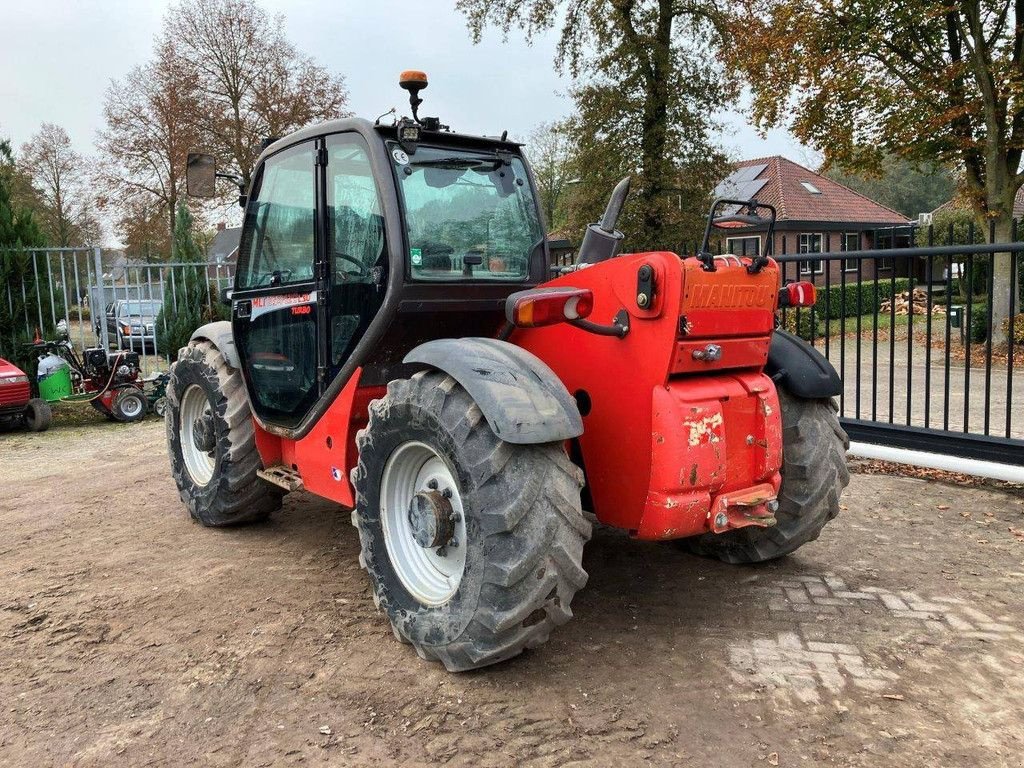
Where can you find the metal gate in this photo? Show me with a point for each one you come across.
(106, 298)
(911, 332)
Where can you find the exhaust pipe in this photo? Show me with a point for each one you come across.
(602, 240)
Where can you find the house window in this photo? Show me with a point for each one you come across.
(810, 187)
(851, 242)
(744, 246)
(811, 243)
(885, 264)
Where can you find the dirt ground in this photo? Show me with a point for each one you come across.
(131, 636)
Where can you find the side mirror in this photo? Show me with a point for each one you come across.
(201, 175)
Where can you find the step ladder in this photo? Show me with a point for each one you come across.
(282, 476)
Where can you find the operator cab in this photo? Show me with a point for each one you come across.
(361, 241)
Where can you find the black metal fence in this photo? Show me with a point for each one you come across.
(913, 331)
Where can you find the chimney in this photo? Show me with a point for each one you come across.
(220, 226)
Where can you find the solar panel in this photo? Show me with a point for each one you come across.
(754, 187)
(743, 191)
(742, 184)
(746, 190)
(749, 173)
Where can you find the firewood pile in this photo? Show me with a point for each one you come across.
(904, 302)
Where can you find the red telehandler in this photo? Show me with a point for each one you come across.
(397, 344)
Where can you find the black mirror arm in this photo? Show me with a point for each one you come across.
(231, 177)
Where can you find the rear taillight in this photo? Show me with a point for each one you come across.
(797, 295)
(13, 380)
(546, 306)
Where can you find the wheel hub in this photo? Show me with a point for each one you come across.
(203, 434)
(432, 518)
(423, 522)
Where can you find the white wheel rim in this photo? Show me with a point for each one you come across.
(430, 575)
(200, 464)
(131, 407)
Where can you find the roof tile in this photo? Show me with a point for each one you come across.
(836, 202)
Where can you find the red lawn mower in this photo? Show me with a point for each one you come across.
(17, 406)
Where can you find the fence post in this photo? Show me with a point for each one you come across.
(101, 309)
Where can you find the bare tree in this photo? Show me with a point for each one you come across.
(147, 138)
(59, 176)
(549, 157)
(252, 82)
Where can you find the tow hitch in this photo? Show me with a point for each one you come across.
(753, 506)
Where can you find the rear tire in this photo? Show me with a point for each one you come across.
(521, 562)
(129, 405)
(38, 415)
(212, 444)
(814, 473)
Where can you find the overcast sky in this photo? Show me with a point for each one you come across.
(59, 56)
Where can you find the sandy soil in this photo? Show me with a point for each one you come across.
(131, 636)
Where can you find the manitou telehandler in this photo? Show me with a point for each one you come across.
(397, 344)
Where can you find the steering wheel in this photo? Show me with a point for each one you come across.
(363, 271)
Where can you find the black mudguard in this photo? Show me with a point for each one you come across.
(522, 399)
(219, 334)
(800, 368)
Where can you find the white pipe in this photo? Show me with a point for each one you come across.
(1011, 473)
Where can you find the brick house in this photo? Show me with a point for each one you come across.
(815, 215)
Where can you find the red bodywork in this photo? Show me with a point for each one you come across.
(13, 396)
(674, 444)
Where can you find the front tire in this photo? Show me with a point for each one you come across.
(814, 474)
(429, 455)
(212, 443)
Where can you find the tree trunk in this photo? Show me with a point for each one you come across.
(172, 219)
(654, 132)
(1005, 286)
(999, 195)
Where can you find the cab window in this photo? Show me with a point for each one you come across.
(278, 239)
(469, 214)
(355, 243)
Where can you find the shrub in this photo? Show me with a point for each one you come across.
(802, 324)
(836, 304)
(858, 298)
(979, 322)
(1018, 328)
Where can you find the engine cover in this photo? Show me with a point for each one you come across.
(94, 361)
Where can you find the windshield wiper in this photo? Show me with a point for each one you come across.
(459, 163)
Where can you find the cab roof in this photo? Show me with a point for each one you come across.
(364, 126)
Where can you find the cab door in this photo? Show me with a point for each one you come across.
(312, 273)
(274, 306)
